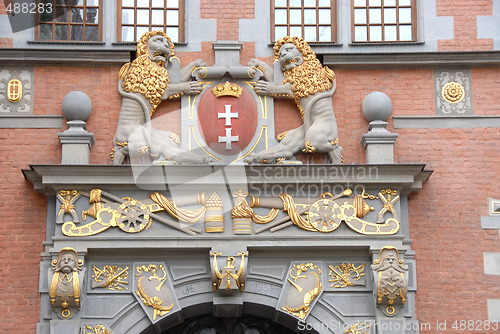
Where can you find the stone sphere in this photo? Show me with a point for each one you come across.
(76, 106)
(377, 107)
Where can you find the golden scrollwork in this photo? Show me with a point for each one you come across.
(228, 273)
(358, 328)
(453, 92)
(132, 215)
(156, 302)
(329, 211)
(347, 275)
(227, 90)
(306, 283)
(97, 329)
(112, 277)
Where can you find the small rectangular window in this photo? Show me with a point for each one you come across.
(135, 17)
(313, 20)
(70, 20)
(384, 21)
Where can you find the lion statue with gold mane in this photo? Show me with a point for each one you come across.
(311, 86)
(154, 76)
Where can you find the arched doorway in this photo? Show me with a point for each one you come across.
(208, 324)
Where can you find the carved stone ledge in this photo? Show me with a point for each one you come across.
(412, 59)
(49, 178)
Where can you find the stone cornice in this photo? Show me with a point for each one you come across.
(413, 59)
(70, 57)
(446, 122)
(105, 57)
(50, 178)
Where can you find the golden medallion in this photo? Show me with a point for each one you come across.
(453, 92)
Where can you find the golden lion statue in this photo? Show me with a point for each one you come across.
(311, 86)
(144, 84)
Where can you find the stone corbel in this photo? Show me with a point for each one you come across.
(231, 277)
(391, 277)
(66, 279)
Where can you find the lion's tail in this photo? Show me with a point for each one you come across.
(329, 73)
(123, 71)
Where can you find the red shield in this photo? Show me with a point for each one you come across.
(227, 123)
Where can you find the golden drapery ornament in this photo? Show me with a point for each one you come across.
(245, 211)
(189, 216)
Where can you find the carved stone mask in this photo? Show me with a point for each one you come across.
(67, 261)
(67, 264)
(289, 57)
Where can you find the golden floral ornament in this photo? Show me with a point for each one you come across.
(453, 92)
(227, 90)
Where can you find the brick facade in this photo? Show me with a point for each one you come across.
(444, 216)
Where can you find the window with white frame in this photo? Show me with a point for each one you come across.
(384, 21)
(135, 17)
(313, 20)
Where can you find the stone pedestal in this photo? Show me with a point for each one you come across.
(227, 53)
(379, 143)
(76, 144)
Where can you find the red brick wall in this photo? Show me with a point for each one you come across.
(464, 18)
(444, 216)
(228, 13)
(485, 89)
(6, 42)
(2, 8)
(445, 221)
(23, 217)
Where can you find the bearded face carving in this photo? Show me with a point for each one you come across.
(391, 289)
(65, 284)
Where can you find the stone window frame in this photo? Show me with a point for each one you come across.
(151, 8)
(321, 5)
(383, 7)
(84, 6)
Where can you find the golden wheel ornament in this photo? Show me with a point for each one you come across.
(324, 215)
(132, 216)
(453, 92)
